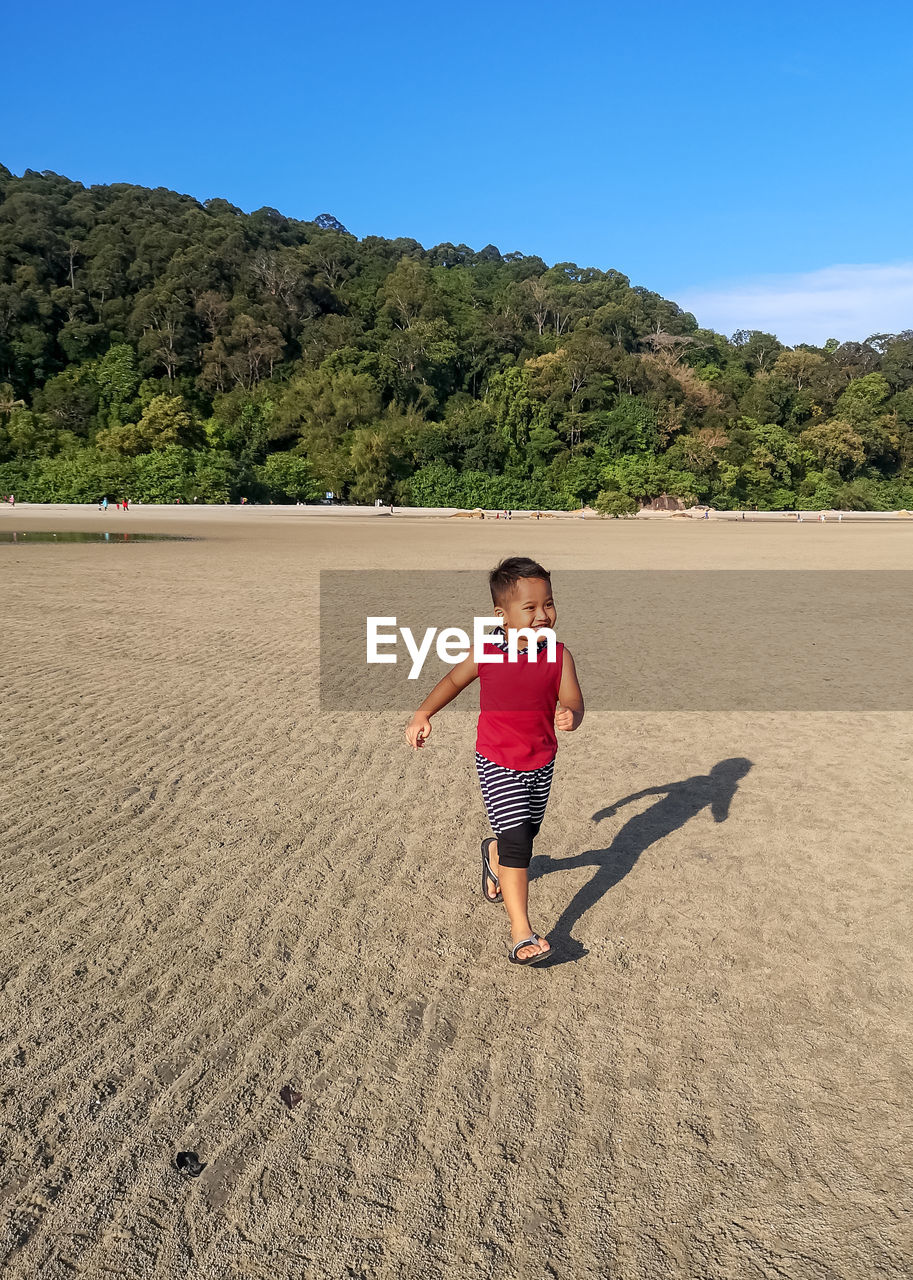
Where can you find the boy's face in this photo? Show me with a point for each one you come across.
(530, 604)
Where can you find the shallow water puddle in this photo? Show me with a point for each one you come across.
(10, 535)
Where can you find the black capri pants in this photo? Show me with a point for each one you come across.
(515, 801)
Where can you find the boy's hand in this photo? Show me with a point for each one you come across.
(564, 719)
(418, 731)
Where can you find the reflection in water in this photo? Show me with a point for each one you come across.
(8, 535)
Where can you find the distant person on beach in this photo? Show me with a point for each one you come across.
(522, 703)
(104, 504)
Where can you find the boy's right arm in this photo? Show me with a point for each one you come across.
(418, 730)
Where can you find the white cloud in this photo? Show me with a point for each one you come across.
(846, 302)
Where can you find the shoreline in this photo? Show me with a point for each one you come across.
(273, 511)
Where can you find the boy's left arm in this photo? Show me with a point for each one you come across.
(570, 700)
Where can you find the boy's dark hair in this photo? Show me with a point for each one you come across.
(504, 577)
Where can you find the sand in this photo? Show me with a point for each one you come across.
(210, 889)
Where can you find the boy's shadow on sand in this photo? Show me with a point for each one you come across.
(680, 802)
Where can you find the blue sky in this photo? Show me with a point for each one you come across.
(751, 162)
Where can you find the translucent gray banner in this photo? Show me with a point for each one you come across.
(657, 640)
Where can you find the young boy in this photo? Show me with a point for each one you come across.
(521, 705)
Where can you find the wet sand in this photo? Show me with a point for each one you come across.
(210, 889)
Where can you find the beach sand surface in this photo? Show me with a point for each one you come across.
(210, 889)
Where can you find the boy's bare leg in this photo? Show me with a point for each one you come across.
(515, 891)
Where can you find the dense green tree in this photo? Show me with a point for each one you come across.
(26, 435)
(835, 444)
(70, 400)
(190, 350)
(288, 477)
(164, 422)
(118, 378)
(217, 477)
(167, 475)
(864, 399)
(610, 502)
(630, 426)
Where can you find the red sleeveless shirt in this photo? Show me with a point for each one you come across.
(517, 702)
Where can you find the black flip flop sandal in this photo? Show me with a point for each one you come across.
(488, 874)
(528, 942)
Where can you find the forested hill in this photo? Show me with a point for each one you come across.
(154, 346)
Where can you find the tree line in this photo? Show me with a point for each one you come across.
(158, 347)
